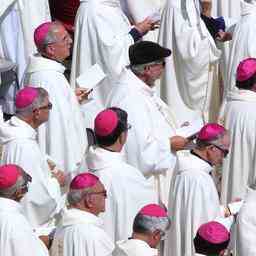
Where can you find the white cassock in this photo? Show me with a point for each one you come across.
(127, 189)
(246, 226)
(63, 137)
(189, 81)
(134, 247)
(17, 26)
(193, 201)
(16, 235)
(101, 36)
(241, 46)
(148, 145)
(239, 167)
(19, 146)
(81, 234)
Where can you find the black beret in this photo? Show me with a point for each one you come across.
(145, 52)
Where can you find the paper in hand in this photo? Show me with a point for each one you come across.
(193, 128)
(91, 77)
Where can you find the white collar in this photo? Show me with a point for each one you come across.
(10, 205)
(75, 216)
(39, 63)
(99, 158)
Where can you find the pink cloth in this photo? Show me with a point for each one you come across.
(26, 96)
(153, 210)
(246, 69)
(105, 122)
(214, 232)
(9, 175)
(84, 180)
(210, 132)
(41, 32)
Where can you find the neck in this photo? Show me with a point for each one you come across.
(201, 154)
(140, 236)
(147, 81)
(85, 209)
(113, 148)
(29, 121)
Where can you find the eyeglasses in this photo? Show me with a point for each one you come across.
(65, 39)
(162, 62)
(48, 106)
(25, 186)
(128, 127)
(223, 150)
(162, 235)
(103, 192)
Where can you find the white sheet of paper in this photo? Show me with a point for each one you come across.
(91, 77)
(194, 127)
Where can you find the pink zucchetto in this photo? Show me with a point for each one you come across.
(25, 97)
(41, 32)
(105, 122)
(9, 175)
(246, 69)
(214, 232)
(210, 132)
(153, 210)
(84, 180)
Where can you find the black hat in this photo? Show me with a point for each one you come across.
(145, 52)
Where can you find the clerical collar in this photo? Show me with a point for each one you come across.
(195, 154)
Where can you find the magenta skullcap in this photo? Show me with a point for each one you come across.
(41, 32)
(214, 232)
(246, 69)
(210, 132)
(105, 122)
(9, 175)
(153, 210)
(26, 96)
(84, 180)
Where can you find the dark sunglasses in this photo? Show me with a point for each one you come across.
(224, 151)
(103, 192)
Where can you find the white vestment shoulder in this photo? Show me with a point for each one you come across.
(241, 46)
(81, 234)
(16, 235)
(193, 201)
(43, 200)
(246, 226)
(188, 80)
(239, 166)
(148, 145)
(127, 189)
(101, 36)
(134, 247)
(63, 137)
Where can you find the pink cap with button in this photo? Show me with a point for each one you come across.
(246, 69)
(41, 32)
(105, 122)
(26, 96)
(210, 132)
(9, 175)
(153, 210)
(84, 180)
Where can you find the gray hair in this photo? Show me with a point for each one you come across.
(75, 196)
(9, 192)
(139, 68)
(50, 37)
(27, 111)
(145, 224)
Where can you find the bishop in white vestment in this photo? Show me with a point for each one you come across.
(19, 146)
(238, 170)
(80, 232)
(63, 137)
(17, 237)
(128, 190)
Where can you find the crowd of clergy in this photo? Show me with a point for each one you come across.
(127, 127)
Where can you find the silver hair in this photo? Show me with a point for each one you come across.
(9, 192)
(75, 196)
(139, 68)
(50, 37)
(27, 111)
(145, 224)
